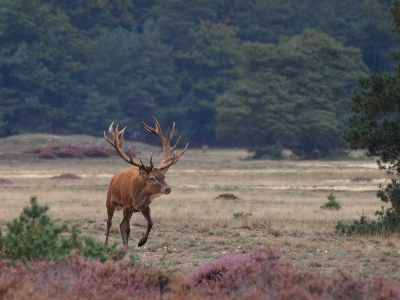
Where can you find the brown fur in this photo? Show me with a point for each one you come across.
(133, 190)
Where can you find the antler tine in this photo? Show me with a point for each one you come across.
(158, 126)
(110, 129)
(116, 140)
(166, 160)
(120, 134)
(151, 160)
(177, 143)
(173, 160)
(156, 131)
(171, 133)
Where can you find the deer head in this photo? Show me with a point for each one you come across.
(155, 175)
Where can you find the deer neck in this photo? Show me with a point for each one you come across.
(142, 196)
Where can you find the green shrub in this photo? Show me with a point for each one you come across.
(387, 223)
(35, 236)
(332, 203)
(241, 215)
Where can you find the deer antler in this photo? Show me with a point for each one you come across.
(167, 160)
(117, 139)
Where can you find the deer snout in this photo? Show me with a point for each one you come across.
(167, 190)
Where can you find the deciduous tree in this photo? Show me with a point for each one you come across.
(211, 65)
(294, 95)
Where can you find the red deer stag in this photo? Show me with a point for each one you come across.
(135, 188)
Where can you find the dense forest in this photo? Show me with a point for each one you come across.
(264, 74)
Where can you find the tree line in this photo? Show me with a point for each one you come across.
(264, 74)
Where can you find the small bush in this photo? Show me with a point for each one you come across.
(359, 179)
(96, 151)
(259, 274)
(61, 151)
(34, 236)
(69, 152)
(387, 223)
(46, 154)
(67, 176)
(33, 150)
(5, 181)
(238, 215)
(332, 203)
(226, 196)
(77, 278)
(268, 152)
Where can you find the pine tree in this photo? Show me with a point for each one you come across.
(375, 125)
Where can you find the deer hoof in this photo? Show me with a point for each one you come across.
(142, 242)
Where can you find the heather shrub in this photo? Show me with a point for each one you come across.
(261, 275)
(11, 278)
(255, 275)
(69, 152)
(5, 181)
(34, 150)
(46, 153)
(96, 151)
(77, 278)
(35, 236)
(67, 176)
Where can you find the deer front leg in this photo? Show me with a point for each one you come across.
(125, 228)
(146, 214)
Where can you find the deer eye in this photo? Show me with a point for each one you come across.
(152, 178)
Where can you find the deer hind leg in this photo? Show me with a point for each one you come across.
(110, 212)
(146, 214)
(125, 228)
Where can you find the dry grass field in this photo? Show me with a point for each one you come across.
(277, 203)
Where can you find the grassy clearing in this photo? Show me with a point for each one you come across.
(278, 203)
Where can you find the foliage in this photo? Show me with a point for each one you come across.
(69, 151)
(260, 274)
(388, 221)
(386, 224)
(35, 236)
(332, 203)
(83, 279)
(91, 16)
(133, 75)
(374, 126)
(241, 214)
(211, 66)
(76, 66)
(293, 93)
(42, 55)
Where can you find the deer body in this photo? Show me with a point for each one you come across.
(136, 193)
(135, 188)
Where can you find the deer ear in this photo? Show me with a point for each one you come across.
(143, 172)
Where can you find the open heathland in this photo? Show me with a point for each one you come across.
(220, 204)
